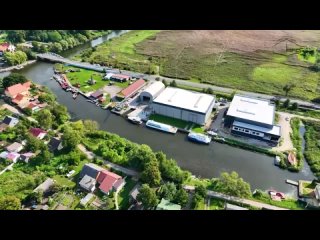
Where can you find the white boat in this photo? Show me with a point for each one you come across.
(161, 126)
(75, 95)
(198, 137)
(135, 120)
(212, 133)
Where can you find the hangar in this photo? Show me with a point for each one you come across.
(151, 92)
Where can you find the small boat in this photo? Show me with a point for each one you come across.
(292, 159)
(277, 160)
(68, 89)
(161, 126)
(97, 104)
(199, 138)
(75, 95)
(135, 120)
(88, 100)
(212, 133)
(277, 194)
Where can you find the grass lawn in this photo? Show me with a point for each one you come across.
(308, 58)
(64, 181)
(197, 129)
(3, 37)
(287, 203)
(168, 120)
(200, 205)
(216, 204)
(67, 200)
(307, 188)
(123, 196)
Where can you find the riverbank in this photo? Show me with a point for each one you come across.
(17, 67)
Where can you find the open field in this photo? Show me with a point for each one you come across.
(258, 61)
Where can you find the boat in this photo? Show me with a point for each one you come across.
(277, 194)
(135, 120)
(75, 95)
(88, 100)
(198, 137)
(292, 159)
(161, 126)
(277, 160)
(212, 133)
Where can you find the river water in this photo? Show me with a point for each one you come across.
(200, 160)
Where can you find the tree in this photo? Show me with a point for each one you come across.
(54, 36)
(33, 144)
(9, 203)
(181, 197)
(151, 174)
(16, 36)
(60, 113)
(46, 98)
(173, 84)
(12, 79)
(234, 185)
(15, 58)
(277, 102)
(44, 118)
(201, 190)
(209, 90)
(294, 106)
(233, 93)
(70, 138)
(288, 87)
(56, 47)
(147, 196)
(36, 196)
(90, 125)
(73, 158)
(165, 82)
(168, 191)
(286, 103)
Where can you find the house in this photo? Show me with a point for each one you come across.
(26, 156)
(120, 77)
(6, 47)
(84, 201)
(15, 147)
(132, 89)
(167, 205)
(109, 181)
(90, 169)
(3, 127)
(45, 186)
(55, 144)
(12, 156)
(38, 133)
(34, 107)
(88, 183)
(134, 193)
(21, 100)
(97, 94)
(10, 121)
(14, 90)
(108, 76)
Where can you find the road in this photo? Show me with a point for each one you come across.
(243, 201)
(124, 170)
(290, 115)
(17, 66)
(57, 58)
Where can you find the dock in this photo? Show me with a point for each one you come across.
(294, 183)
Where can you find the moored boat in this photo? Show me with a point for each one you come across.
(75, 95)
(135, 120)
(161, 126)
(292, 159)
(199, 138)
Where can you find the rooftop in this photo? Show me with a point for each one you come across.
(87, 182)
(275, 130)
(45, 186)
(18, 88)
(194, 101)
(132, 88)
(37, 131)
(166, 205)
(253, 109)
(91, 170)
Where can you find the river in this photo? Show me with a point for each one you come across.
(200, 160)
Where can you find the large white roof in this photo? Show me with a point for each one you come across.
(253, 109)
(154, 88)
(188, 100)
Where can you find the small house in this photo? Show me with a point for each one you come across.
(110, 181)
(45, 186)
(10, 121)
(88, 183)
(26, 156)
(91, 170)
(97, 94)
(15, 147)
(55, 144)
(120, 78)
(134, 193)
(38, 133)
(167, 205)
(14, 90)
(33, 107)
(84, 201)
(12, 156)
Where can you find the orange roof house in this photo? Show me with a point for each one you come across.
(14, 90)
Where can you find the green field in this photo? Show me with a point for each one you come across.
(63, 181)
(123, 195)
(83, 76)
(261, 71)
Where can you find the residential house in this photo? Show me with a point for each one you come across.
(6, 47)
(10, 121)
(90, 169)
(167, 205)
(3, 127)
(38, 133)
(97, 94)
(134, 193)
(45, 186)
(15, 147)
(34, 107)
(55, 144)
(26, 156)
(14, 90)
(84, 201)
(110, 181)
(88, 183)
(21, 100)
(12, 156)
(120, 77)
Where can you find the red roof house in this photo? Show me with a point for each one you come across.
(38, 132)
(109, 181)
(14, 90)
(132, 89)
(4, 47)
(18, 98)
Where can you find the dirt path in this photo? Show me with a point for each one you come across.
(285, 132)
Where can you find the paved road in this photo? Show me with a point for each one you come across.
(57, 58)
(244, 201)
(124, 170)
(8, 167)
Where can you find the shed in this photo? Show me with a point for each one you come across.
(151, 92)
(45, 186)
(84, 201)
(88, 183)
(167, 205)
(97, 94)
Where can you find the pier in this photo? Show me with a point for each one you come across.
(294, 183)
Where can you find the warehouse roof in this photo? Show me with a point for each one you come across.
(275, 130)
(194, 101)
(154, 88)
(253, 109)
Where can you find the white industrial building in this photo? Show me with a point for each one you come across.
(253, 117)
(185, 105)
(151, 92)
